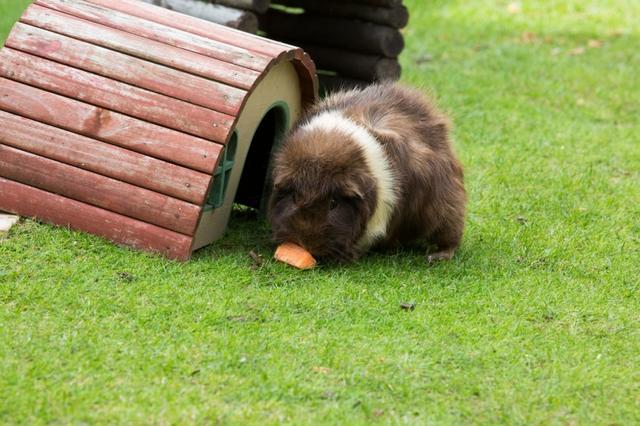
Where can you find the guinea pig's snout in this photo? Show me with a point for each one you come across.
(307, 230)
(294, 226)
(306, 235)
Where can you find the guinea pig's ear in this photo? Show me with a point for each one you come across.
(359, 188)
(353, 190)
(281, 189)
(279, 181)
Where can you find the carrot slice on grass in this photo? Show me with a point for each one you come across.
(295, 256)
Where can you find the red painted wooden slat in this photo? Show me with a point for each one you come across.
(167, 34)
(306, 69)
(135, 44)
(52, 208)
(108, 126)
(102, 158)
(114, 95)
(196, 26)
(127, 69)
(276, 50)
(98, 190)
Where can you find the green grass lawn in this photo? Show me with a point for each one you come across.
(535, 321)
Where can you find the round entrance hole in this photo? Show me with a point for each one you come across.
(253, 189)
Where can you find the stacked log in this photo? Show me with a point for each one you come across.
(389, 13)
(353, 42)
(239, 14)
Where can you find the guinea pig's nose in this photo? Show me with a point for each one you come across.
(307, 228)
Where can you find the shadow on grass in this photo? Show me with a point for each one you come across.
(248, 235)
(246, 231)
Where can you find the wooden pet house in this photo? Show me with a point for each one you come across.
(140, 124)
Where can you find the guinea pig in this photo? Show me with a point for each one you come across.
(368, 168)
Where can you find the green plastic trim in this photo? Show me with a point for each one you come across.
(282, 126)
(222, 174)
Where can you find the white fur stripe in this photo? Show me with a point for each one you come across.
(377, 163)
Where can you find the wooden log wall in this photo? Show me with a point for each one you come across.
(353, 42)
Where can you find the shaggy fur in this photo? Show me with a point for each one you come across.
(368, 168)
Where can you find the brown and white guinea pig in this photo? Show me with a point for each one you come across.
(366, 168)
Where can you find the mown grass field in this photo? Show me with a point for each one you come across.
(535, 321)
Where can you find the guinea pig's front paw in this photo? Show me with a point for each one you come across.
(440, 256)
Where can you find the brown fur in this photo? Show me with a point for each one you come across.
(324, 194)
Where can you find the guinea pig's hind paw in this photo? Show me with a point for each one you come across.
(440, 256)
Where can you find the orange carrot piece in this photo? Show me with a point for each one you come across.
(295, 256)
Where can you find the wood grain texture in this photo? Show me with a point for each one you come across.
(168, 34)
(51, 208)
(102, 158)
(136, 45)
(307, 73)
(114, 95)
(266, 52)
(108, 126)
(231, 17)
(97, 190)
(127, 69)
(258, 45)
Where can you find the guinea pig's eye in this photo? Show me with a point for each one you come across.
(283, 192)
(333, 203)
